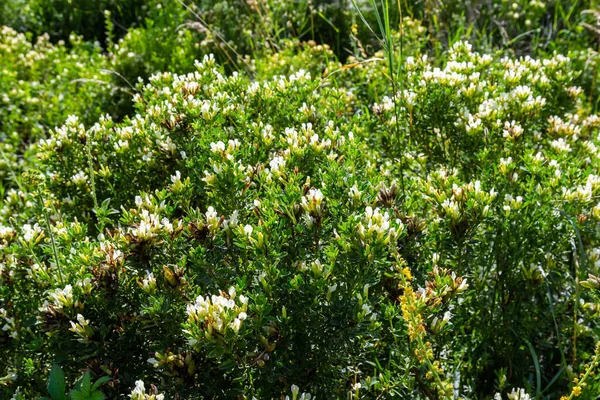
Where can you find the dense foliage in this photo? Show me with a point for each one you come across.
(272, 199)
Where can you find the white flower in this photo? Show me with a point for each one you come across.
(61, 298)
(31, 233)
(512, 130)
(295, 390)
(232, 222)
(82, 329)
(354, 193)
(218, 147)
(560, 145)
(176, 178)
(79, 178)
(139, 393)
(7, 231)
(312, 202)
(518, 394)
(85, 285)
(212, 219)
(277, 165)
(149, 283)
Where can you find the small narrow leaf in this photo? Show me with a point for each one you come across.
(100, 382)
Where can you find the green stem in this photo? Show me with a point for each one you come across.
(52, 242)
(91, 171)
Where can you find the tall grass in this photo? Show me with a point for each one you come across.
(384, 36)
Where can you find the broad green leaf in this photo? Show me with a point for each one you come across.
(56, 383)
(86, 383)
(77, 395)
(97, 395)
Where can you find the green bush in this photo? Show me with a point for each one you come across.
(333, 205)
(237, 237)
(43, 83)
(60, 18)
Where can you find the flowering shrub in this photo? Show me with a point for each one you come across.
(400, 226)
(354, 261)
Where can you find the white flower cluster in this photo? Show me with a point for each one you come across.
(9, 325)
(299, 141)
(31, 234)
(82, 328)
(277, 165)
(85, 285)
(7, 232)
(212, 220)
(354, 194)
(217, 314)
(563, 128)
(60, 299)
(296, 78)
(583, 193)
(64, 136)
(148, 284)
(376, 226)
(492, 96)
(79, 178)
(225, 152)
(317, 268)
(232, 222)
(437, 324)
(456, 205)
(178, 184)
(561, 145)
(512, 130)
(139, 393)
(511, 203)
(312, 202)
(304, 396)
(112, 255)
(515, 394)
(366, 311)
(224, 162)
(151, 225)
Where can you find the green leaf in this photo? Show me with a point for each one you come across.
(86, 383)
(536, 364)
(100, 382)
(56, 383)
(77, 395)
(105, 203)
(97, 395)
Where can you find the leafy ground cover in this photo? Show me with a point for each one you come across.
(299, 200)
